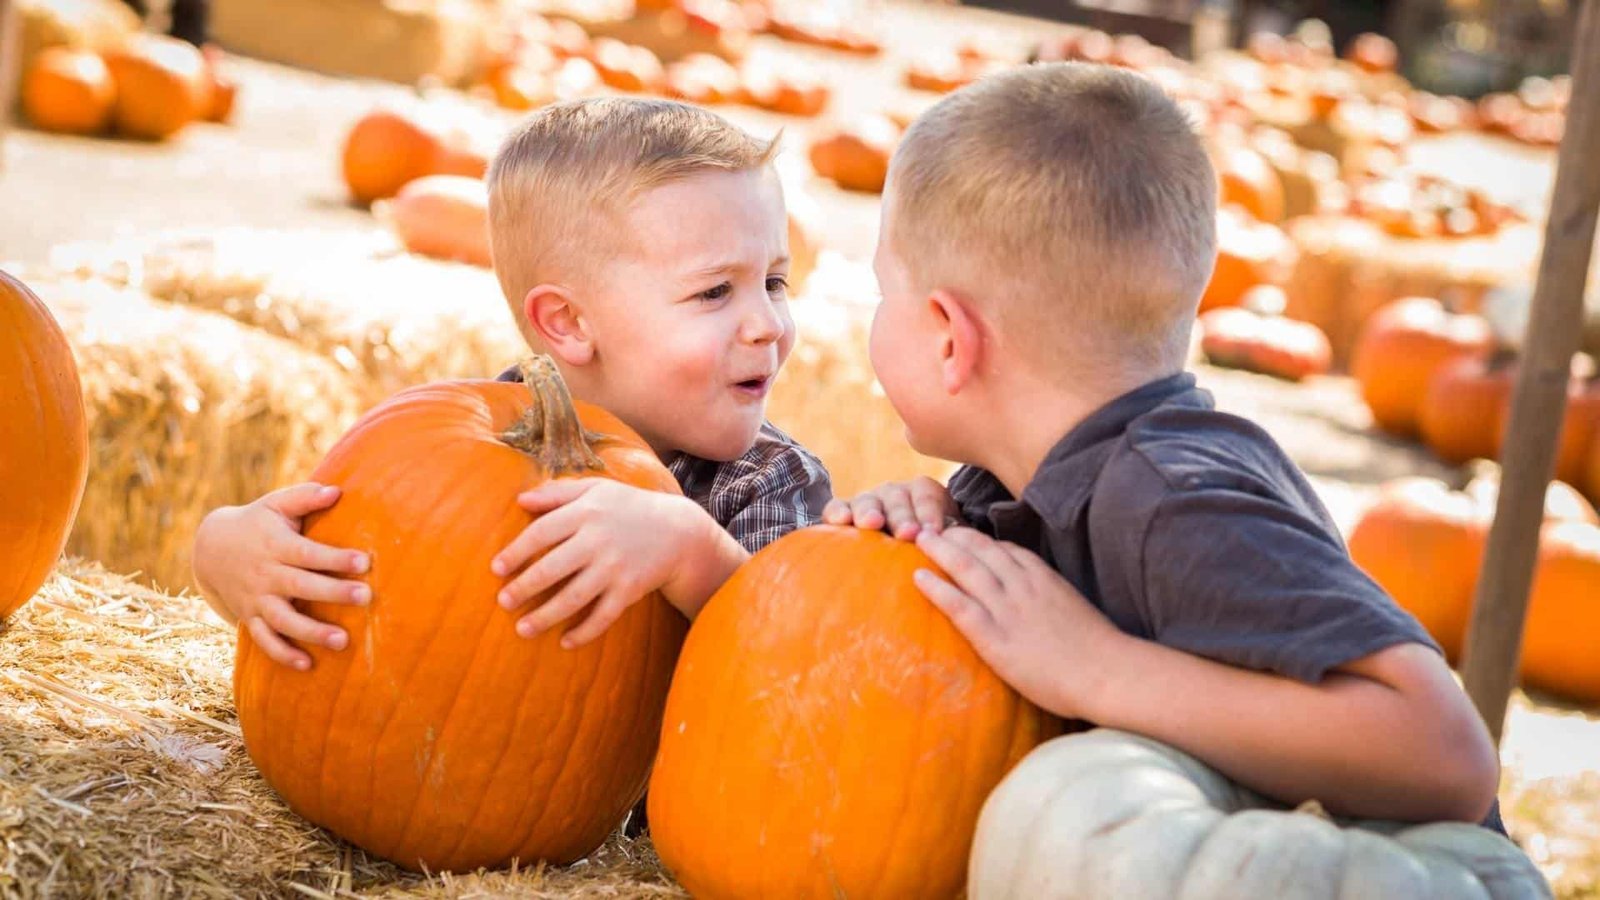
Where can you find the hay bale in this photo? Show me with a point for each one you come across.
(396, 40)
(122, 772)
(1349, 267)
(390, 319)
(188, 411)
(827, 397)
(88, 24)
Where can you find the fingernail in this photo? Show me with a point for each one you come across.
(505, 600)
(498, 568)
(526, 629)
(302, 664)
(922, 575)
(361, 594)
(327, 490)
(930, 526)
(568, 643)
(359, 563)
(337, 641)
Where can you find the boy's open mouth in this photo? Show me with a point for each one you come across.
(754, 386)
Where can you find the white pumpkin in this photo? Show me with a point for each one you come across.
(1107, 814)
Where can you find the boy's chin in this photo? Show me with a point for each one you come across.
(728, 444)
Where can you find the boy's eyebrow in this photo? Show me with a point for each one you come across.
(729, 267)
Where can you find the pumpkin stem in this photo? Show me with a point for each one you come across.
(550, 431)
(1313, 808)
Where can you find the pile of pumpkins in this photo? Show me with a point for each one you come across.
(147, 87)
(1427, 373)
(821, 730)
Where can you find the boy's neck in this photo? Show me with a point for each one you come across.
(1030, 421)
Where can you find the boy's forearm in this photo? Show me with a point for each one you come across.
(1360, 747)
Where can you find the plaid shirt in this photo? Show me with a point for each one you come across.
(776, 487)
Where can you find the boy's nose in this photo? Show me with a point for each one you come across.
(762, 324)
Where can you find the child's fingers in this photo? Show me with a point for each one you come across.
(545, 573)
(299, 500)
(303, 553)
(965, 611)
(899, 514)
(969, 572)
(314, 587)
(606, 612)
(837, 512)
(295, 625)
(276, 648)
(932, 503)
(994, 554)
(866, 511)
(545, 532)
(573, 596)
(553, 494)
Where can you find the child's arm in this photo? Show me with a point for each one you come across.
(902, 508)
(251, 562)
(1386, 736)
(612, 544)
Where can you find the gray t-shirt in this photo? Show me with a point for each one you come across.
(1192, 528)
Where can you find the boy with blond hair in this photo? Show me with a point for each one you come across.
(643, 245)
(1118, 550)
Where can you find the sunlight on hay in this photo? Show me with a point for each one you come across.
(122, 773)
(827, 397)
(391, 319)
(1550, 792)
(187, 411)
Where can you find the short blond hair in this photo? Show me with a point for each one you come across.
(1078, 195)
(562, 176)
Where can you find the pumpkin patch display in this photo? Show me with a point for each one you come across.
(626, 67)
(68, 91)
(1106, 813)
(1401, 347)
(388, 147)
(703, 78)
(162, 84)
(856, 155)
(782, 86)
(443, 216)
(440, 738)
(829, 733)
(1241, 338)
(46, 460)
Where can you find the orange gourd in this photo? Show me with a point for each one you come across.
(1558, 641)
(1463, 411)
(46, 458)
(443, 216)
(1272, 345)
(1249, 254)
(1246, 179)
(389, 147)
(1400, 347)
(68, 90)
(162, 84)
(829, 733)
(440, 738)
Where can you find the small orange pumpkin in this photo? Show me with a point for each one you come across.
(819, 702)
(1373, 53)
(703, 78)
(1249, 253)
(856, 155)
(443, 216)
(1463, 411)
(782, 87)
(69, 91)
(1400, 347)
(627, 67)
(1558, 641)
(1249, 181)
(440, 738)
(46, 459)
(389, 147)
(223, 89)
(1241, 338)
(162, 85)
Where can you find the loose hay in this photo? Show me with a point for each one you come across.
(122, 773)
(390, 319)
(827, 397)
(188, 411)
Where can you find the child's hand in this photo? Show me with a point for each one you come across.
(1033, 628)
(902, 508)
(251, 561)
(612, 544)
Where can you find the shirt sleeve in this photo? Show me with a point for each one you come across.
(759, 501)
(1252, 581)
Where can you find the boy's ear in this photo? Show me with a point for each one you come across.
(961, 345)
(552, 314)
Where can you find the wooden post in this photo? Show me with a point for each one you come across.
(10, 67)
(1539, 400)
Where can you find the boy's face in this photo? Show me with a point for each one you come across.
(690, 320)
(904, 346)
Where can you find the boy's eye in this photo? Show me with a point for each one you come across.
(777, 284)
(717, 293)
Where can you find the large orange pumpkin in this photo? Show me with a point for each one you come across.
(1558, 641)
(1400, 347)
(46, 457)
(1463, 411)
(68, 90)
(440, 738)
(1249, 254)
(829, 733)
(443, 216)
(162, 84)
(389, 147)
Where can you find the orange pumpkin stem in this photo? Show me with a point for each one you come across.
(550, 431)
